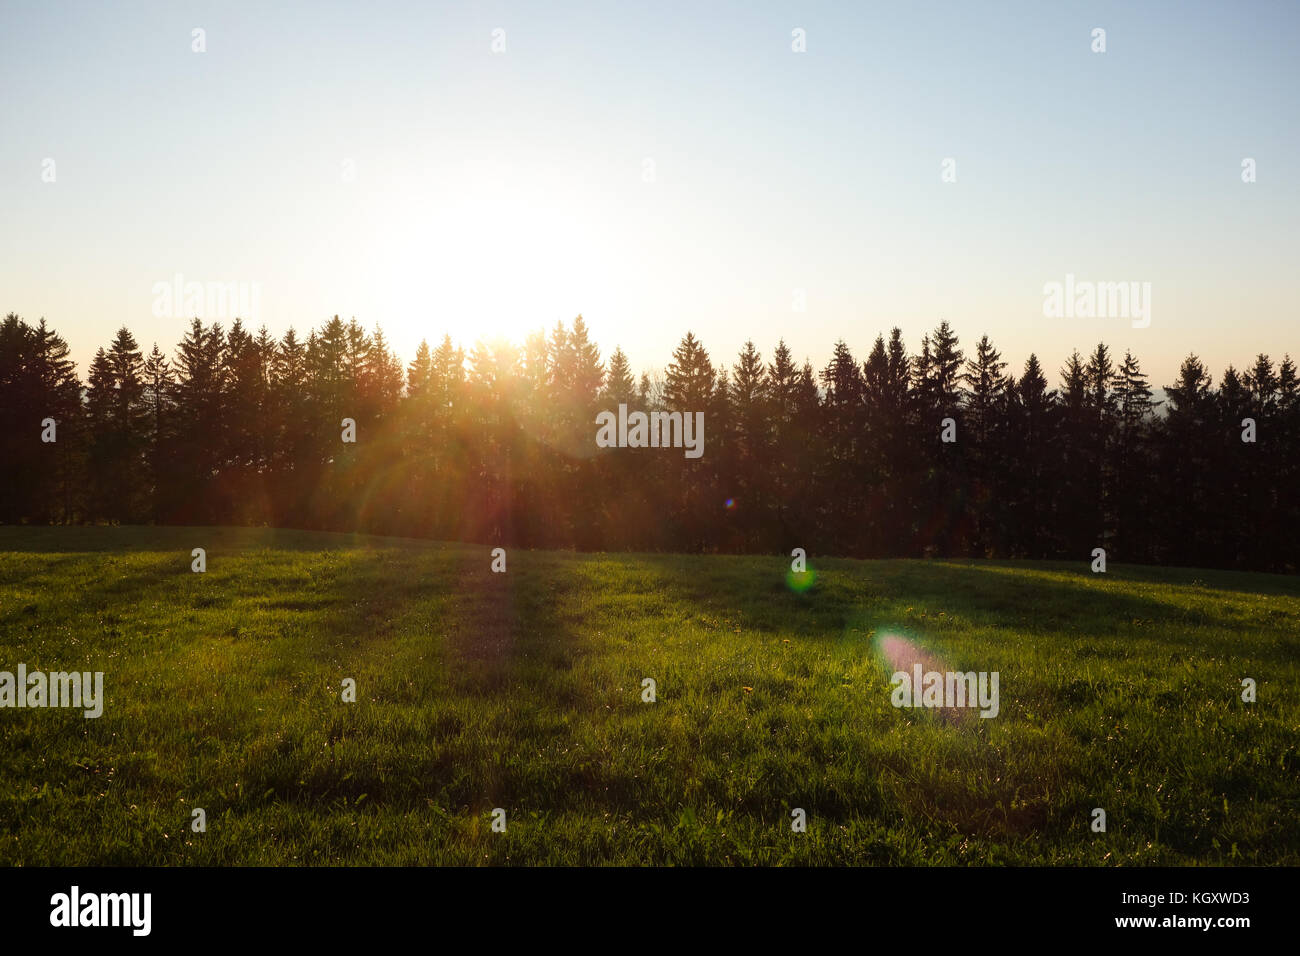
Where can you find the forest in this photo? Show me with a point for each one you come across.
(499, 446)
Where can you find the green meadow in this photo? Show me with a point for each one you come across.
(523, 691)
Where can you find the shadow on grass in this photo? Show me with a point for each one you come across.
(1195, 579)
(863, 596)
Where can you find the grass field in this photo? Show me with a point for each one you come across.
(523, 691)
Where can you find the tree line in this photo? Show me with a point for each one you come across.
(498, 446)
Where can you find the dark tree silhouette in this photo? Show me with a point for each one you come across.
(498, 446)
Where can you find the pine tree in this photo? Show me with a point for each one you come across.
(986, 387)
(588, 371)
(939, 372)
(419, 373)
(1035, 459)
(1262, 383)
(1133, 465)
(690, 377)
(749, 402)
(537, 372)
(620, 385)
(158, 401)
(41, 481)
(749, 447)
(560, 362)
(118, 421)
(382, 376)
(200, 441)
(987, 478)
(448, 373)
(943, 486)
(1185, 465)
(247, 391)
(782, 387)
(1133, 397)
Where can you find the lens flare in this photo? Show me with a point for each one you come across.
(897, 653)
(900, 656)
(800, 581)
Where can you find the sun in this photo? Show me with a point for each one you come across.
(481, 267)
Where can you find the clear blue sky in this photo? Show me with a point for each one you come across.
(498, 192)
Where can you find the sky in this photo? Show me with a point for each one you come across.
(658, 168)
